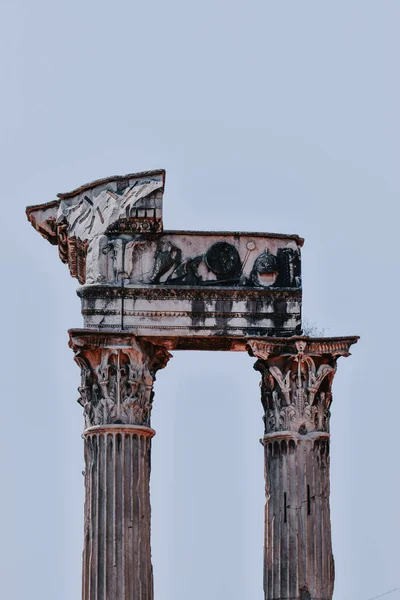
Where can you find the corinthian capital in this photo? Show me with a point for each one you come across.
(117, 376)
(296, 386)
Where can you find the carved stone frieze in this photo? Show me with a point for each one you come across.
(296, 385)
(117, 379)
(190, 259)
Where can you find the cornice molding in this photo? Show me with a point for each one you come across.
(335, 346)
(161, 292)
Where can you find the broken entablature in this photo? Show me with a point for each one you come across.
(138, 277)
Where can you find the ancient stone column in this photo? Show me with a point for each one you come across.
(145, 290)
(296, 393)
(116, 392)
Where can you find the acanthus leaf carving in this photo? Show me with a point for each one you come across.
(296, 384)
(315, 379)
(283, 382)
(117, 384)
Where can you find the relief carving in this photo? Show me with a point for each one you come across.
(117, 383)
(145, 261)
(96, 269)
(167, 258)
(265, 270)
(289, 268)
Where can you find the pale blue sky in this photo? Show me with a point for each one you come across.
(270, 116)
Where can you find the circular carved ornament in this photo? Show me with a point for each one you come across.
(223, 260)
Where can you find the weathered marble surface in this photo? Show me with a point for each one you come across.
(117, 376)
(117, 553)
(192, 312)
(95, 207)
(146, 291)
(194, 284)
(195, 259)
(296, 393)
(128, 203)
(191, 283)
(116, 392)
(297, 381)
(140, 278)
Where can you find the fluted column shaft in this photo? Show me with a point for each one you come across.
(298, 556)
(117, 554)
(296, 394)
(116, 392)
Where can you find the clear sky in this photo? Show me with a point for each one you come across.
(269, 116)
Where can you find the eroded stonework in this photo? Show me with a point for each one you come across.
(145, 291)
(296, 388)
(194, 259)
(117, 377)
(296, 393)
(138, 277)
(129, 203)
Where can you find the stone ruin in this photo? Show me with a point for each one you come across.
(146, 291)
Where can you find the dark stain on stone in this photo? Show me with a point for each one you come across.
(305, 594)
(225, 307)
(198, 310)
(90, 303)
(256, 309)
(209, 343)
(280, 313)
(303, 430)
